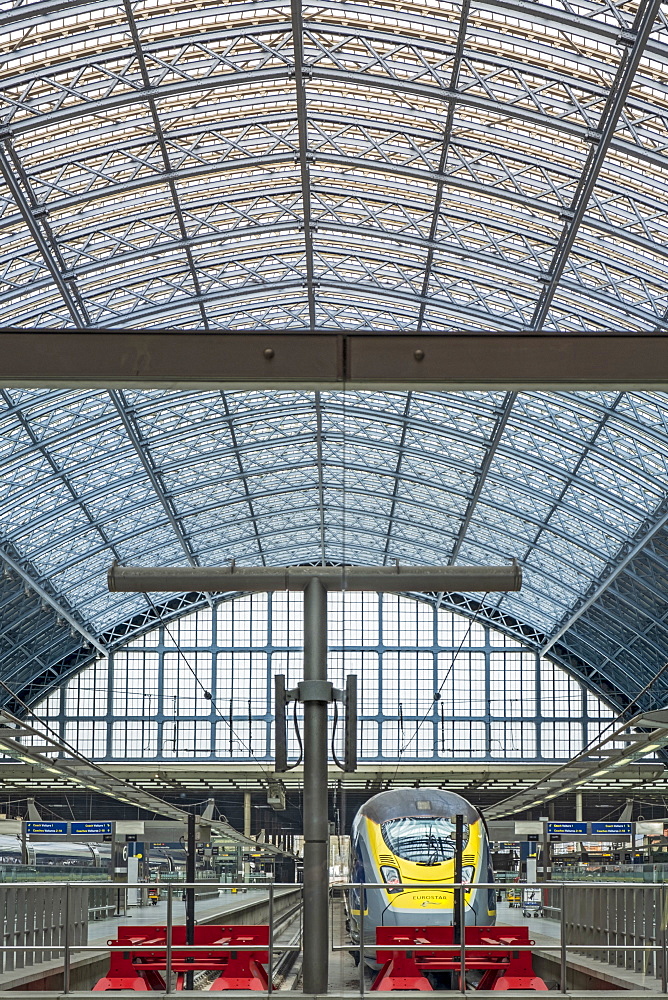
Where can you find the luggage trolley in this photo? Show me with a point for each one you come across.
(532, 902)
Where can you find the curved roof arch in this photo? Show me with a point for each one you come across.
(569, 484)
(424, 166)
(438, 165)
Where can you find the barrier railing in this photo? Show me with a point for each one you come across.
(586, 921)
(625, 925)
(612, 915)
(70, 941)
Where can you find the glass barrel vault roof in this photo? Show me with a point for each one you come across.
(572, 485)
(402, 165)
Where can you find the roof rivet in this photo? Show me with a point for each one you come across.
(268, 353)
(419, 354)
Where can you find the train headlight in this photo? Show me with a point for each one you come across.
(392, 877)
(467, 873)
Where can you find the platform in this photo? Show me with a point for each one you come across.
(546, 932)
(91, 965)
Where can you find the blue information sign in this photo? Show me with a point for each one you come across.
(46, 829)
(615, 829)
(94, 828)
(579, 829)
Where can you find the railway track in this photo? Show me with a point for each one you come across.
(287, 931)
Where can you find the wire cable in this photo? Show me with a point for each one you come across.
(208, 694)
(334, 727)
(295, 723)
(437, 694)
(101, 770)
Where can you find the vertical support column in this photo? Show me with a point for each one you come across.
(578, 814)
(316, 825)
(190, 893)
(547, 858)
(247, 814)
(247, 831)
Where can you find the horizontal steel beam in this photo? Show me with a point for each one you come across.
(389, 579)
(108, 359)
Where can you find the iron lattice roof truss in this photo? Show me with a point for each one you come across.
(572, 485)
(427, 165)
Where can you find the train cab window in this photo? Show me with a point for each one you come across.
(425, 840)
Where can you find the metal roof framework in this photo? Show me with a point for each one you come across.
(419, 166)
(572, 485)
(422, 167)
(491, 781)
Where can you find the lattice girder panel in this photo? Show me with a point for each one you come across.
(288, 311)
(346, 201)
(625, 624)
(184, 101)
(548, 585)
(639, 623)
(353, 312)
(629, 660)
(611, 290)
(336, 266)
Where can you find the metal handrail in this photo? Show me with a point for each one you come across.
(271, 889)
(67, 947)
(461, 888)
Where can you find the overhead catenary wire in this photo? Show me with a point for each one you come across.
(56, 735)
(437, 694)
(208, 695)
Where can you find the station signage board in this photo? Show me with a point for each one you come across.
(46, 829)
(612, 829)
(93, 828)
(577, 828)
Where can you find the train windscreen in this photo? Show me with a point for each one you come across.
(425, 840)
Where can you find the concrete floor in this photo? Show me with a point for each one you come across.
(546, 934)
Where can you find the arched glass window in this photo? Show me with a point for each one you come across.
(496, 699)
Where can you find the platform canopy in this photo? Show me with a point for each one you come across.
(417, 168)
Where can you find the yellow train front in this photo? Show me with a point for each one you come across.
(406, 837)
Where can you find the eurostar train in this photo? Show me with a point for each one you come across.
(408, 836)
